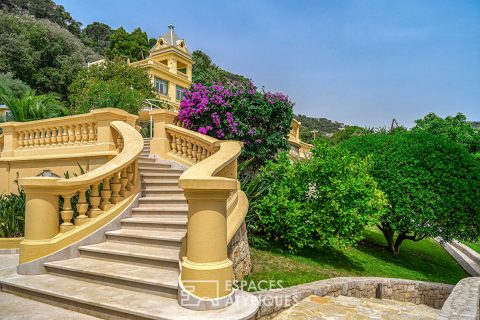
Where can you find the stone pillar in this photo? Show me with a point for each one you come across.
(160, 145)
(41, 216)
(10, 139)
(207, 272)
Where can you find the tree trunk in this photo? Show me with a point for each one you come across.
(398, 242)
(388, 234)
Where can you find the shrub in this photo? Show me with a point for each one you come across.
(239, 112)
(432, 184)
(111, 84)
(327, 200)
(11, 86)
(12, 214)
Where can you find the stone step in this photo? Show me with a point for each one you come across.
(160, 211)
(155, 183)
(136, 254)
(163, 239)
(174, 175)
(166, 201)
(152, 163)
(109, 302)
(154, 280)
(153, 169)
(155, 192)
(162, 223)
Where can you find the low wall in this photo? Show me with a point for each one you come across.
(239, 253)
(10, 243)
(418, 292)
(463, 302)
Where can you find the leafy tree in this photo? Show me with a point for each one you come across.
(134, 46)
(43, 9)
(41, 53)
(327, 200)
(96, 35)
(236, 111)
(11, 86)
(432, 184)
(111, 84)
(457, 129)
(205, 71)
(32, 107)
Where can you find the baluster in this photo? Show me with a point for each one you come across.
(194, 152)
(116, 186)
(71, 134)
(20, 139)
(106, 194)
(184, 147)
(91, 132)
(54, 136)
(173, 143)
(130, 177)
(35, 138)
(66, 214)
(204, 154)
(95, 211)
(124, 182)
(25, 139)
(65, 135)
(209, 153)
(82, 208)
(48, 139)
(85, 133)
(179, 145)
(29, 142)
(199, 153)
(189, 150)
(41, 137)
(78, 134)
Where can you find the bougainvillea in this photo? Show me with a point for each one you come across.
(237, 111)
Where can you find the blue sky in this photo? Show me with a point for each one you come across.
(359, 62)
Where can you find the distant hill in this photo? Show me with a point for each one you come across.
(476, 124)
(324, 127)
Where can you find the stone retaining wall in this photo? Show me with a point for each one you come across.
(463, 302)
(239, 253)
(418, 292)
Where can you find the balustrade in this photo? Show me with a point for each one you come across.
(62, 135)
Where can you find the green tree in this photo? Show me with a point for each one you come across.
(11, 86)
(96, 35)
(205, 71)
(134, 46)
(327, 200)
(111, 84)
(41, 53)
(32, 107)
(432, 184)
(456, 129)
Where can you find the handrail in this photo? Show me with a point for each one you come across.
(98, 193)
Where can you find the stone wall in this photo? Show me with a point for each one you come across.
(463, 302)
(239, 253)
(418, 292)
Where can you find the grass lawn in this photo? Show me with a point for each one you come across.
(424, 260)
(474, 245)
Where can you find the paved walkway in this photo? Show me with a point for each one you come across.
(468, 258)
(347, 308)
(13, 307)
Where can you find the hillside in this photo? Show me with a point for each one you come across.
(323, 127)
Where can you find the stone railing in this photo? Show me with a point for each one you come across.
(97, 193)
(77, 135)
(216, 208)
(149, 62)
(464, 301)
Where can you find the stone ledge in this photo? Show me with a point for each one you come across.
(417, 292)
(463, 302)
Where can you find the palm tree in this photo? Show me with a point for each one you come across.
(32, 107)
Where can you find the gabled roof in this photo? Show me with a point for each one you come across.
(170, 37)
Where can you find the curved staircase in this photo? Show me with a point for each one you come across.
(134, 273)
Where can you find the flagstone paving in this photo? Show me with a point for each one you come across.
(343, 308)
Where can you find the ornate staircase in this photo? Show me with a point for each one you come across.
(134, 273)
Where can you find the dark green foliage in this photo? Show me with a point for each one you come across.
(12, 214)
(432, 184)
(327, 200)
(111, 84)
(347, 133)
(456, 129)
(11, 86)
(205, 71)
(41, 53)
(97, 36)
(43, 9)
(321, 125)
(134, 46)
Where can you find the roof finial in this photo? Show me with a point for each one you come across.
(171, 26)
